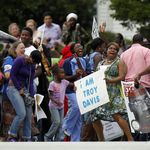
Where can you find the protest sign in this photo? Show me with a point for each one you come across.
(111, 130)
(38, 110)
(94, 33)
(91, 91)
(138, 107)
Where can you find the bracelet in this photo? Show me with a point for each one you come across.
(57, 63)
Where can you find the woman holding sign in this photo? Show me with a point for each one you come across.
(115, 71)
(75, 67)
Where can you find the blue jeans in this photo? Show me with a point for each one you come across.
(23, 113)
(63, 136)
(56, 127)
(73, 123)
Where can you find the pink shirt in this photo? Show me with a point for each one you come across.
(58, 92)
(137, 58)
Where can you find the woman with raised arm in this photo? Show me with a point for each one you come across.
(115, 71)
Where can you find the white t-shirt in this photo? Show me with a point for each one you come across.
(29, 49)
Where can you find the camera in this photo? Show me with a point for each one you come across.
(28, 100)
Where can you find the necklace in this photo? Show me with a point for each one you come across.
(109, 61)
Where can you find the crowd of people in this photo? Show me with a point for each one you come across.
(34, 65)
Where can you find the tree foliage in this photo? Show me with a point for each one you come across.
(20, 11)
(132, 13)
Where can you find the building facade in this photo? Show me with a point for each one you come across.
(103, 14)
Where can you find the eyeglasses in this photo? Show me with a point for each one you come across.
(79, 47)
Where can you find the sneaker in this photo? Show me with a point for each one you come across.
(11, 140)
(66, 133)
(34, 139)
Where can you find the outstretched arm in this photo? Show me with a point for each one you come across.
(52, 48)
(102, 30)
(144, 72)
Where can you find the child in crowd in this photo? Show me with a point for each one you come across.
(57, 90)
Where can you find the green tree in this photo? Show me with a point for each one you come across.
(133, 14)
(20, 11)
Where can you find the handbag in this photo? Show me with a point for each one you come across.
(28, 100)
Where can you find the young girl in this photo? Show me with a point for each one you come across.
(57, 90)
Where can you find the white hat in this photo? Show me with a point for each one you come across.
(71, 15)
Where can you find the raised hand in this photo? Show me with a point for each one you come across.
(75, 56)
(69, 25)
(102, 28)
(40, 48)
(78, 26)
(122, 43)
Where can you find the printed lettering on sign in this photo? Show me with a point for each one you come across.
(91, 92)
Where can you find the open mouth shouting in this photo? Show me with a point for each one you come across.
(79, 49)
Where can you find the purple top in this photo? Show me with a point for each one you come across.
(58, 92)
(20, 72)
(53, 32)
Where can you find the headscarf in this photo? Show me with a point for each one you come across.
(71, 15)
(66, 53)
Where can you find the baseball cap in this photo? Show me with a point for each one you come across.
(145, 41)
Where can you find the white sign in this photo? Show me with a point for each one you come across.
(111, 130)
(138, 107)
(95, 33)
(91, 91)
(38, 110)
